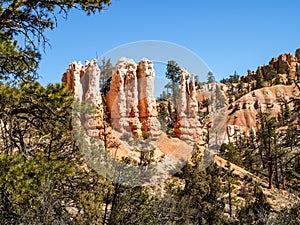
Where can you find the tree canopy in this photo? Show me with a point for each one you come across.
(22, 32)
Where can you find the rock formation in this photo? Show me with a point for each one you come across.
(122, 98)
(146, 101)
(84, 80)
(242, 113)
(131, 109)
(187, 126)
(284, 64)
(72, 79)
(131, 101)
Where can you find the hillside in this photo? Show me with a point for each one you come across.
(229, 148)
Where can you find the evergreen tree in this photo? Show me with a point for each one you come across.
(297, 76)
(106, 75)
(210, 77)
(286, 114)
(259, 79)
(42, 173)
(267, 142)
(271, 74)
(173, 74)
(230, 182)
(277, 79)
(287, 216)
(231, 153)
(289, 78)
(206, 103)
(29, 20)
(220, 99)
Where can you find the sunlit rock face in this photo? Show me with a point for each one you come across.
(241, 118)
(285, 65)
(122, 98)
(188, 126)
(146, 102)
(131, 101)
(84, 81)
(72, 79)
(131, 105)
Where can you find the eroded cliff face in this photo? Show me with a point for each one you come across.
(122, 98)
(130, 106)
(131, 101)
(72, 79)
(84, 81)
(146, 101)
(277, 79)
(286, 62)
(285, 65)
(242, 113)
(188, 127)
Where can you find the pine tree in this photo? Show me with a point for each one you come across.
(297, 76)
(230, 182)
(259, 79)
(173, 74)
(289, 78)
(41, 167)
(29, 20)
(231, 153)
(286, 114)
(210, 77)
(267, 139)
(277, 79)
(220, 99)
(271, 74)
(106, 75)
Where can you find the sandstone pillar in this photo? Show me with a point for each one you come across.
(147, 103)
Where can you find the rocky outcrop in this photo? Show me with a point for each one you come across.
(146, 101)
(297, 53)
(242, 113)
(187, 126)
(131, 108)
(72, 79)
(131, 101)
(285, 65)
(122, 98)
(84, 80)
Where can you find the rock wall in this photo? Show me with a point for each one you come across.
(146, 101)
(122, 98)
(84, 80)
(188, 127)
(242, 113)
(72, 79)
(286, 63)
(131, 101)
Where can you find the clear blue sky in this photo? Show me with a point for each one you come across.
(228, 35)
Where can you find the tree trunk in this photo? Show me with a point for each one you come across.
(106, 208)
(276, 173)
(230, 199)
(270, 169)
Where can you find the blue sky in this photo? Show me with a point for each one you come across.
(227, 35)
